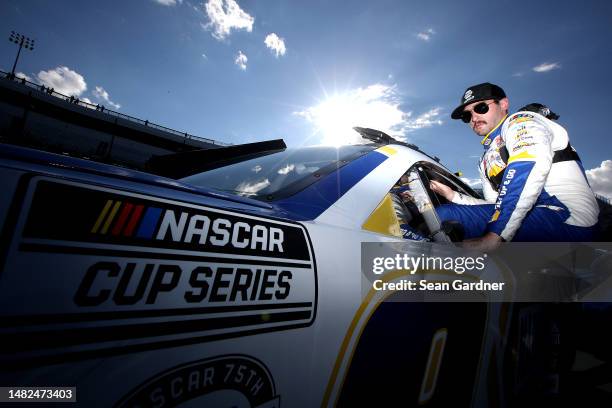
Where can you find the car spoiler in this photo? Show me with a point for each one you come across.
(183, 164)
(382, 138)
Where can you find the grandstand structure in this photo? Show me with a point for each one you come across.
(36, 116)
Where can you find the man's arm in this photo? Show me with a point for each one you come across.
(529, 142)
(463, 199)
(489, 193)
(458, 198)
(452, 195)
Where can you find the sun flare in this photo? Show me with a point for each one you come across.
(373, 107)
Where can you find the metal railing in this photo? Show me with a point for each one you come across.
(603, 198)
(103, 109)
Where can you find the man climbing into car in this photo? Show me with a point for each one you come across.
(533, 182)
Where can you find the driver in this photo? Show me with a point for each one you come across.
(533, 182)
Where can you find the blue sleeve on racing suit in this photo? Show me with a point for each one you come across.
(529, 143)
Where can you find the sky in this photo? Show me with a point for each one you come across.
(241, 71)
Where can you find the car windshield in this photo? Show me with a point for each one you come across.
(278, 174)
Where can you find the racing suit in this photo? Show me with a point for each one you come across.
(534, 186)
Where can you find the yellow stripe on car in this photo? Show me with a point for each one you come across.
(386, 150)
(383, 219)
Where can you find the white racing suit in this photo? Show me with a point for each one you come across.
(534, 186)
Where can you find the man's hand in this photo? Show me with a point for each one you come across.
(442, 189)
(489, 242)
(406, 196)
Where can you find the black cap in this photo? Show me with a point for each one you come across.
(541, 109)
(475, 93)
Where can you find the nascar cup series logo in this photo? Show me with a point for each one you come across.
(121, 218)
(149, 270)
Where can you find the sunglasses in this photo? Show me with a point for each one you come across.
(481, 109)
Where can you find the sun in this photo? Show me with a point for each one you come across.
(335, 116)
(335, 119)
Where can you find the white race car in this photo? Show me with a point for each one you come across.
(232, 277)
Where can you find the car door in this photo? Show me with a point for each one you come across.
(410, 351)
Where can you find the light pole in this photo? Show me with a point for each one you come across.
(23, 41)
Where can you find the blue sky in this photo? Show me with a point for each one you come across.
(248, 70)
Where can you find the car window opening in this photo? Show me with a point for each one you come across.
(414, 206)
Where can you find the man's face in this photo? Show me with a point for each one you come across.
(483, 123)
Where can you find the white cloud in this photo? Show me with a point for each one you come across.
(426, 35)
(424, 120)
(276, 44)
(22, 75)
(376, 106)
(287, 169)
(168, 2)
(546, 66)
(600, 179)
(474, 183)
(101, 94)
(247, 188)
(517, 74)
(91, 104)
(225, 16)
(241, 61)
(63, 80)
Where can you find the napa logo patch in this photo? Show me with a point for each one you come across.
(520, 118)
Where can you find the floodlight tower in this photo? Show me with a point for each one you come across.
(22, 41)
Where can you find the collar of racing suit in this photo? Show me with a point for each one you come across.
(486, 141)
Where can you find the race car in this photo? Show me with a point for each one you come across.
(232, 277)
